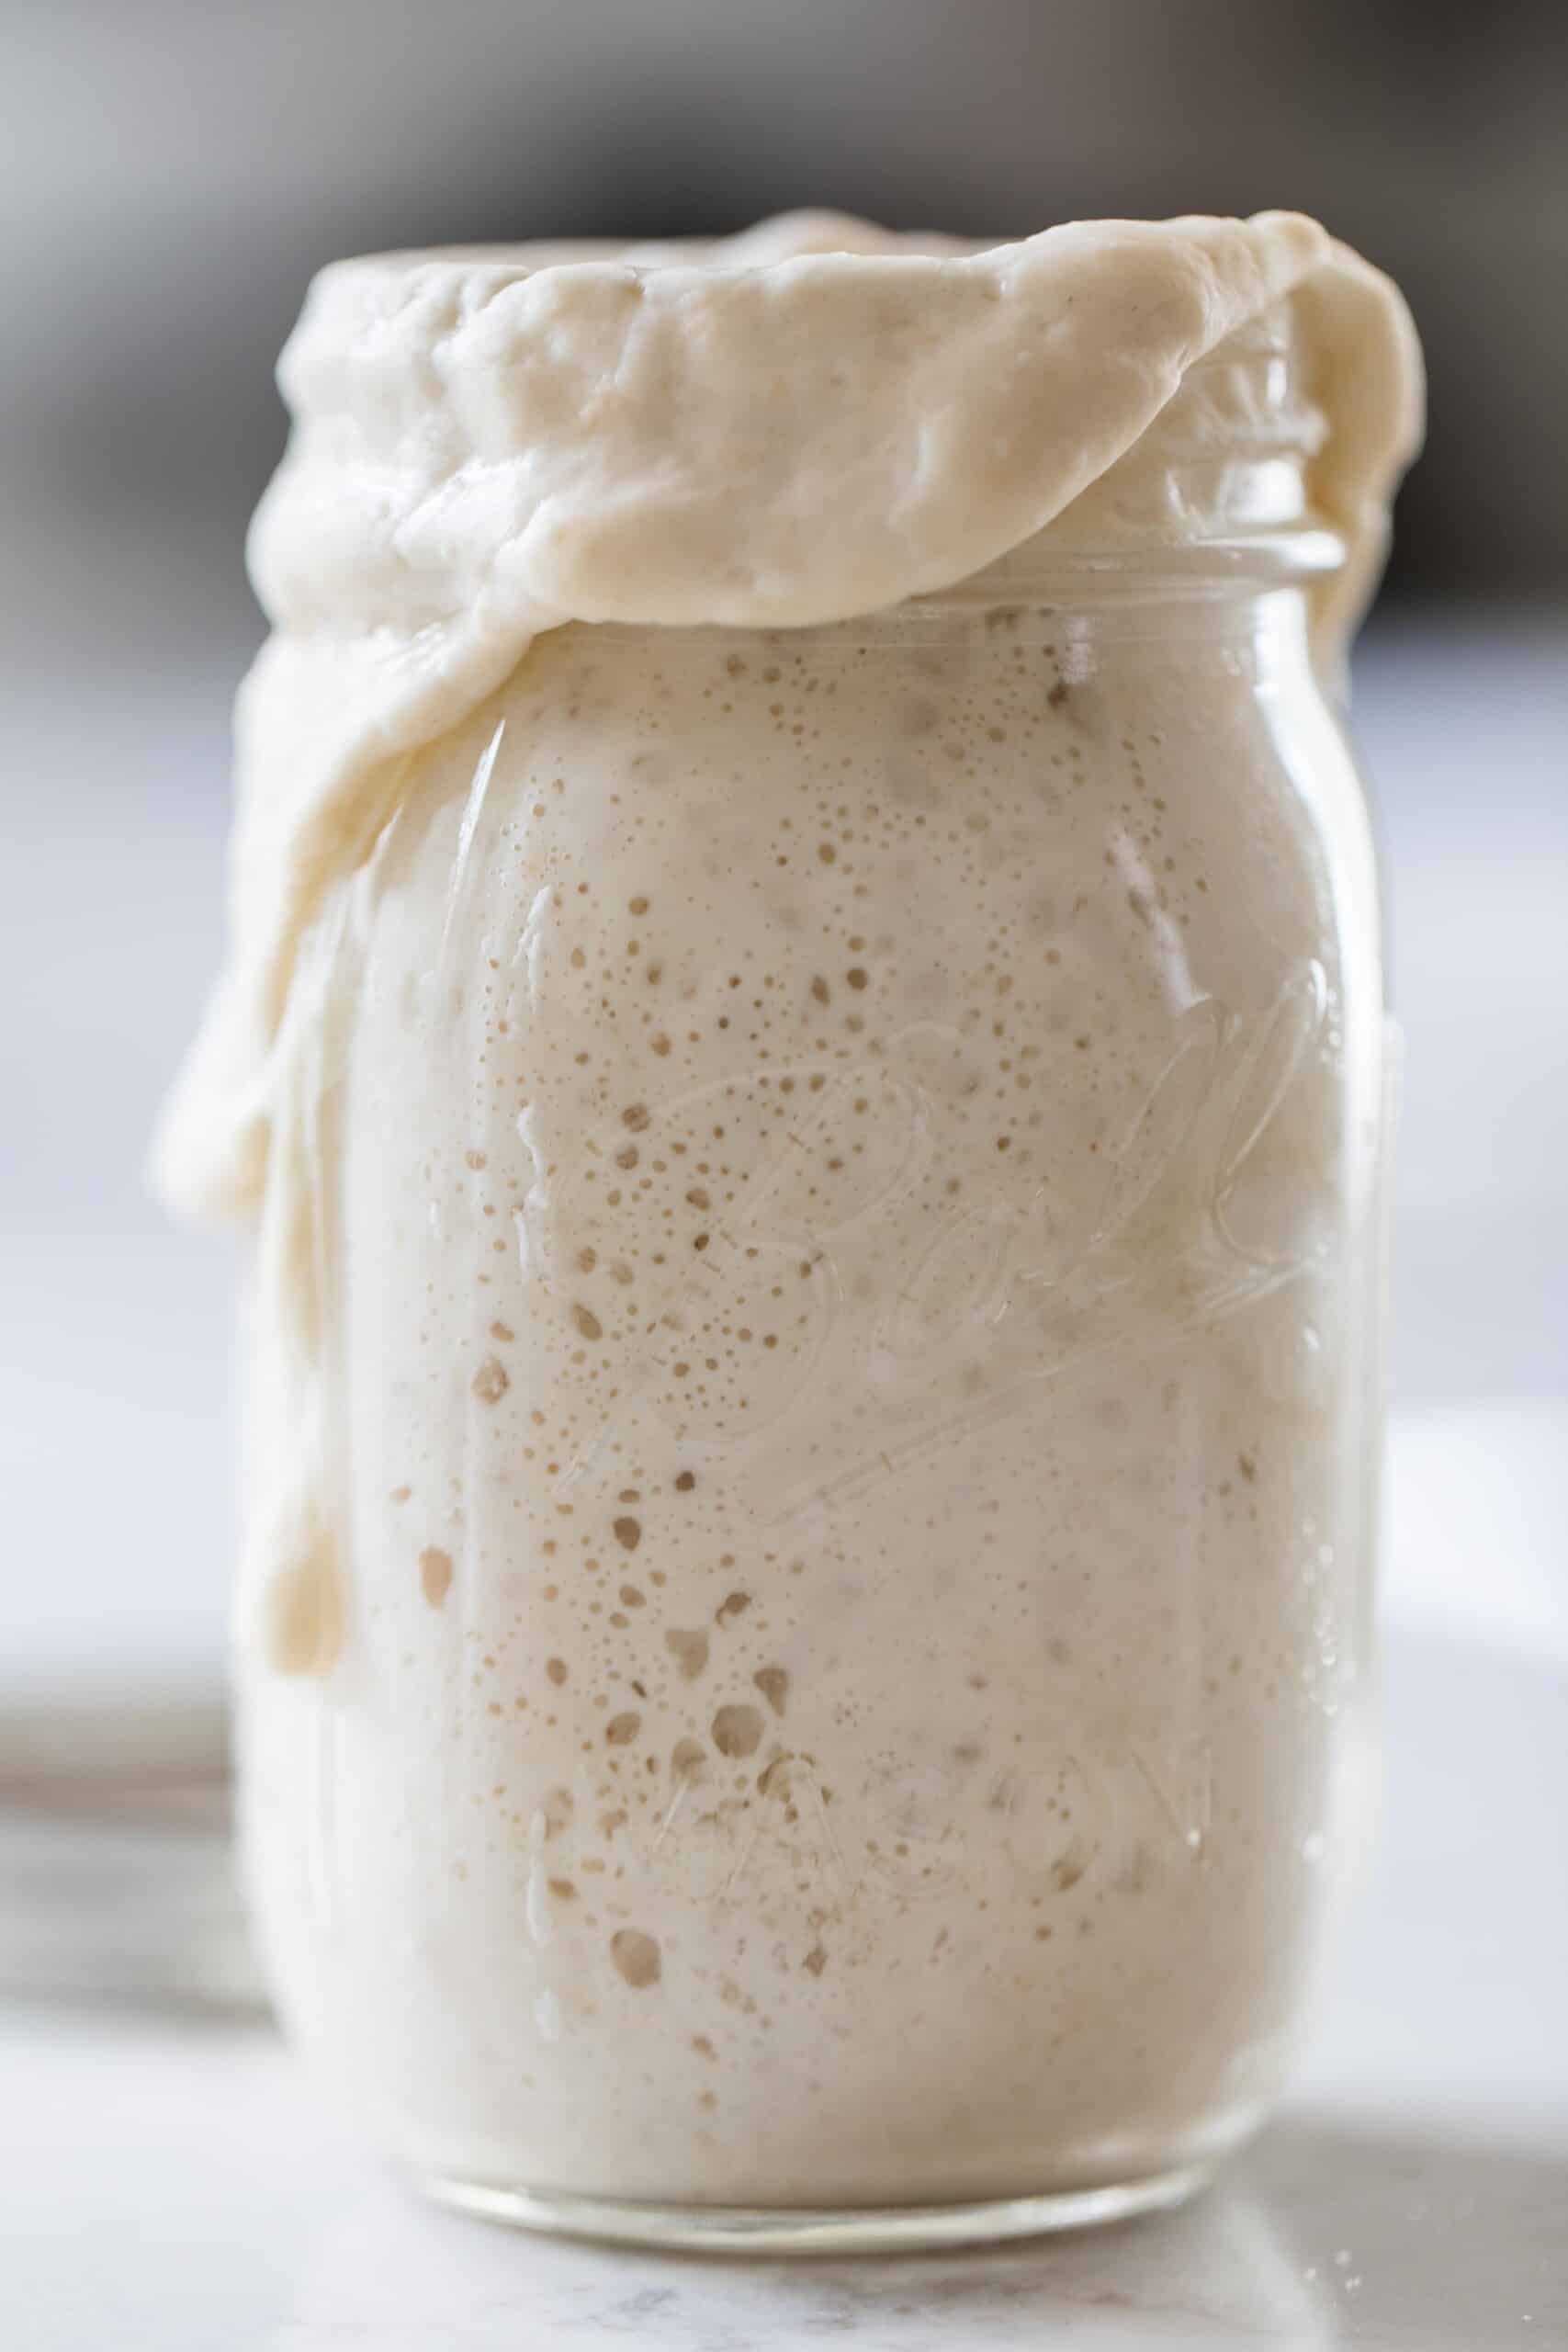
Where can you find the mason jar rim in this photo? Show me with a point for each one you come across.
(1055, 578)
(1267, 558)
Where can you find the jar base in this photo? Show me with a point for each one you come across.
(806, 2229)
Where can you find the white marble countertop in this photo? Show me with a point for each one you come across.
(213, 2212)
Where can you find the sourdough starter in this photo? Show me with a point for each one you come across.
(813, 1331)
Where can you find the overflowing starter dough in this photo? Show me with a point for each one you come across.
(813, 1126)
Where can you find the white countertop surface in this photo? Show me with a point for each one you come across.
(214, 2213)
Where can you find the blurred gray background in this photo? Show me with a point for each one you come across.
(172, 171)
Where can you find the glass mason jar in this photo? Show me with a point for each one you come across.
(847, 1172)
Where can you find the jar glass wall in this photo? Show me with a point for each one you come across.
(839, 1178)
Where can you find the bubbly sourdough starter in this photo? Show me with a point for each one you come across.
(808, 1461)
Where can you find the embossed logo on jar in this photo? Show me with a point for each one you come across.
(906, 1833)
(825, 1266)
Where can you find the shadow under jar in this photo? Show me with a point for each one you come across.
(849, 1169)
